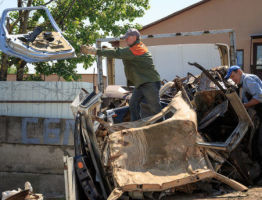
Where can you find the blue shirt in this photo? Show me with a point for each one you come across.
(253, 85)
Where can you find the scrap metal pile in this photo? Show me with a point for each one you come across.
(202, 135)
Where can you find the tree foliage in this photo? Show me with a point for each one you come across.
(82, 22)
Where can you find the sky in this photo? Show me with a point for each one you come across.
(162, 8)
(158, 9)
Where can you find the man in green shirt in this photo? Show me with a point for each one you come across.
(139, 70)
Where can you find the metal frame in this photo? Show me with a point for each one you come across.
(232, 37)
(243, 117)
(239, 132)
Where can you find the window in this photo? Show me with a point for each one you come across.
(258, 56)
(240, 58)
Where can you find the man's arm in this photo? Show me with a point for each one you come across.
(121, 53)
(251, 103)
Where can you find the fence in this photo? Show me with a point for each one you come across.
(39, 99)
(36, 131)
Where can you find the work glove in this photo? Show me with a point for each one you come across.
(84, 49)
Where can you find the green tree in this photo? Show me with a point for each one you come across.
(82, 22)
(11, 70)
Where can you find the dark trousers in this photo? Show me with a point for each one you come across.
(258, 109)
(147, 93)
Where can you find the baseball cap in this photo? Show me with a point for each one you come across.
(230, 70)
(131, 32)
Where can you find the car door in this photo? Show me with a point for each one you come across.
(40, 41)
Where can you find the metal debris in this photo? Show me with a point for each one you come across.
(206, 135)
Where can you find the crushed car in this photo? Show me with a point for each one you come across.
(203, 134)
(40, 42)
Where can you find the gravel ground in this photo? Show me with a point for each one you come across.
(254, 193)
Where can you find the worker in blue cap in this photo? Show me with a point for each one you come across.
(250, 92)
(251, 85)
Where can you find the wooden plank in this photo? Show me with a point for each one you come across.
(71, 179)
(65, 176)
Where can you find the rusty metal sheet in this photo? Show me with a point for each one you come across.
(148, 155)
(160, 155)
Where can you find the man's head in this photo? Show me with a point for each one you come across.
(131, 36)
(235, 73)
